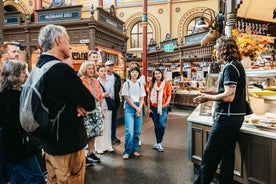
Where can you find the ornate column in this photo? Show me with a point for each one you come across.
(92, 35)
(28, 47)
(145, 39)
(37, 6)
(100, 3)
(231, 16)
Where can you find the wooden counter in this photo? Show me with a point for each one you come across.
(255, 152)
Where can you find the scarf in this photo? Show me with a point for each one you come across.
(153, 96)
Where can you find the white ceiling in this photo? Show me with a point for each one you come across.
(258, 10)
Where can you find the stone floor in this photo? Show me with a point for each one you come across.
(169, 167)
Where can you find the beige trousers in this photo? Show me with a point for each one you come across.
(65, 169)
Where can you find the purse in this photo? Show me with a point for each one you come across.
(109, 101)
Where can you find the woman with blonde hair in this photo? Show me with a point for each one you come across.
(94, 120)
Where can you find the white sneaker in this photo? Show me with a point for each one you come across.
(160, 148)
(155, 146)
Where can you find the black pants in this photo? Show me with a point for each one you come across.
(220, 147)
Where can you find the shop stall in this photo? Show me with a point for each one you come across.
(102, 32)
(256, 149)
(179, 63)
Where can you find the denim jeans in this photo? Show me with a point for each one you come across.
(160, 122)
(220, 149)
(27, 171)
(133, 127)
(114, 123)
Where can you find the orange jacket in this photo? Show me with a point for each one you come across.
(86, 83)
(167, 92)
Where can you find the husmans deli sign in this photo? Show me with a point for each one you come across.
(53, 16)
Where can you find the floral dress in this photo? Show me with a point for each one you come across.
(94, 121)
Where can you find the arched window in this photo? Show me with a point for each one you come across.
(192, 25)
(136, 35)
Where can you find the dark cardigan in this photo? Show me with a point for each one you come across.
(63, 86)
(13, 149)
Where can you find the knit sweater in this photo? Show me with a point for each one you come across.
(63, 86)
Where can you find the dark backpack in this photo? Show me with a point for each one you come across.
(34, 115)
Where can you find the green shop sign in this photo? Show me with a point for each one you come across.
(168, 48)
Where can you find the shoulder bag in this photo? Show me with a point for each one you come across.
(109, 101)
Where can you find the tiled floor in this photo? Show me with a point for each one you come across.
(169, 167)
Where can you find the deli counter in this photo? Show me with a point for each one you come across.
(185, 91)
(255, 152)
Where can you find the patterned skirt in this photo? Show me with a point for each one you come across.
(94, 122)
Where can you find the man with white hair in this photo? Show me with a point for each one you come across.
(64, 155)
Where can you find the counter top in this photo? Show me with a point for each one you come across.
(246, 128)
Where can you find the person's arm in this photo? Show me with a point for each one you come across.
(169, 94)
(148, 97)
(227, 96)
(209, 92)
(131, 103)
(71, 86)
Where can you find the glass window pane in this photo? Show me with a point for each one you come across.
(136, 35)
(192, 25)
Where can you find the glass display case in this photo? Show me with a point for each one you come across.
(261, 94)
(185, 91)
(208, 108)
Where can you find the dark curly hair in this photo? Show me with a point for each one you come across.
(228, 49)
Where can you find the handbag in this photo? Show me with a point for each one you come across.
(248, 109)
(109, 101)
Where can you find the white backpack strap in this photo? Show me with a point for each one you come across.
(36, 73)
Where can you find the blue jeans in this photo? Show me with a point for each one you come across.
(27, 171)
(114, 123)
(220, 148)
(160, 122)
(133, 127)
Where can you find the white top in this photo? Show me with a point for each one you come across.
(111, 79)
(133, 90)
